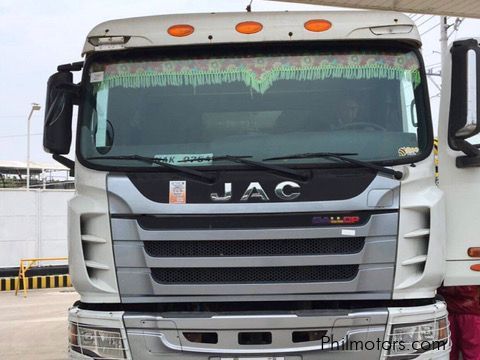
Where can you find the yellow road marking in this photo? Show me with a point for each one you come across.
(38, 282)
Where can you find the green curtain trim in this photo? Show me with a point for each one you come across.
(262, 83)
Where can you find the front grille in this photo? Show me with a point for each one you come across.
(292, 274)
(283, 247)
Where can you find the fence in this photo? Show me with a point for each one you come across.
(33, 224)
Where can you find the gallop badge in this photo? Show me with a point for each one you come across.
(178, 192)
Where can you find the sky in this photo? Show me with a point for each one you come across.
(36, 36)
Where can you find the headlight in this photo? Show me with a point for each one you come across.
(414, 339)
(97, 342)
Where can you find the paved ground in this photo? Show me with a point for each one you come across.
(35, 328)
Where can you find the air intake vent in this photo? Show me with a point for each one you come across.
(415, 241)
(95, 248)
(292, 274)
(284, 247)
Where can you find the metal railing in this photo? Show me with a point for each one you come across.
(22, 183)
(27, 264)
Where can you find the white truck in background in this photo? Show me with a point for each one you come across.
(261, 186)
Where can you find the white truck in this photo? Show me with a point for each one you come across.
(261, 186)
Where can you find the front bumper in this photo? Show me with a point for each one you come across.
(348, 335)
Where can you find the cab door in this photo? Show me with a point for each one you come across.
(459, 161)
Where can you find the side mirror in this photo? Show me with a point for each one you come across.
(464, 119)
(57, 133)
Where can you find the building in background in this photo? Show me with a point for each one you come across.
(13, 174)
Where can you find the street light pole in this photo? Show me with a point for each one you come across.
(35, 107)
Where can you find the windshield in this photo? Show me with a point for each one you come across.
(261, 104)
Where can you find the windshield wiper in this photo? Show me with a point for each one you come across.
(154, 161)
(343, 157)
(280, 170)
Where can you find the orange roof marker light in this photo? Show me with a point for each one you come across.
(474, 252)
(181, 30)
(475, 267)
(318, 25)
(249, 27)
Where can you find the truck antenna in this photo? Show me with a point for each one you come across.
(249, 6)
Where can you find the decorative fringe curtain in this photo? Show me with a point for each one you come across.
(260, 74)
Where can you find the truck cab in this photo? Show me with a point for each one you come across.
(262, 186)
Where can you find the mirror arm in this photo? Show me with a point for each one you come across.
(74, 89)
(76, 66)
(65, 162)
(472, 158)
(71, 88)
(467, 148)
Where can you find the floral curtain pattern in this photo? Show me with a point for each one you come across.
(260, 73)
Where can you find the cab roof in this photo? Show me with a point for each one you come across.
(218, 28)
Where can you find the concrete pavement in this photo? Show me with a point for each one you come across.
(35, 328)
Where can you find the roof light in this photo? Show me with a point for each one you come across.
(249, 27)
(474, 252)
(108, 40)
(181, 30)
(393, 29)
(318, 25)
(475, 267)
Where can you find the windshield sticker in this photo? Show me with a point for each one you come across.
(101, 133)
(186, 159)
(96, 77)
(260, 73)
(408, 151)
(178, 192)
